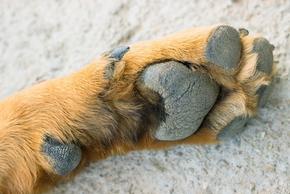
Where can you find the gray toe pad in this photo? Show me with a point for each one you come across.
(224, 47)
(265, 54)
(187, 97)
(63, 157)
(264, 64)
(232, 128)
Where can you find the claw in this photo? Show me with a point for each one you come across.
(243, 32)
(272, 47)
(119, 52)
(115, 54)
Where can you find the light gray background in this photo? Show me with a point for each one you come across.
(40, 40)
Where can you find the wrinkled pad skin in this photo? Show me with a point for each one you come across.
(187, 97)
(264, 64)
(63, 157)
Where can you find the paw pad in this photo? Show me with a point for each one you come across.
(187, 97)
(232, 128)
(224, 47)
(265, 54)
(63, 157)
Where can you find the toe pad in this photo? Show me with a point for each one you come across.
(224, 47)
(265, 54)
(232, 128)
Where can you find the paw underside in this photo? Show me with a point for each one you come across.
(189, 95)
(192, 98)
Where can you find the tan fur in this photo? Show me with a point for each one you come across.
(114, 116)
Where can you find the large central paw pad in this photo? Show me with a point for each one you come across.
(187, 97)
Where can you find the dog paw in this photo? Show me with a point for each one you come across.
(188, 94)
(233, 79)
(254, 85)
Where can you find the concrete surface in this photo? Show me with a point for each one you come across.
(40, 40)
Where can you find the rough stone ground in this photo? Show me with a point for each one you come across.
(40, 40)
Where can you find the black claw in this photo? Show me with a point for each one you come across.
(272, 47)
(119, 52)
(116, 54)
(63, 157)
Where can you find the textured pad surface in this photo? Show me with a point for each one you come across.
(224, 47)
(62, 157)
(264, 64)
(265, 55)
(187, 97)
